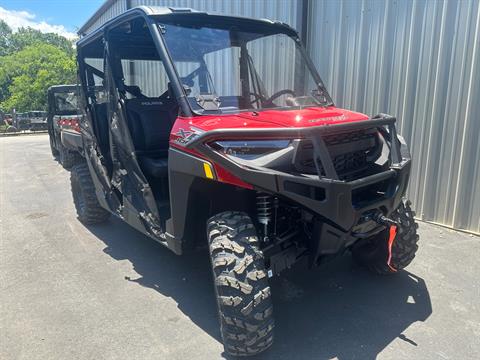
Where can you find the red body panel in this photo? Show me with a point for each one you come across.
(263, 119)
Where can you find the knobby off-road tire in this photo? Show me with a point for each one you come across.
(374, 253)
(88, 209)
(241, 284)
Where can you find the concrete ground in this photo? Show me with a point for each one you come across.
(107, 292)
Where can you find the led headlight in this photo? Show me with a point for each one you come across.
(250, 149)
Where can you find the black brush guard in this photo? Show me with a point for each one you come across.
(328, 197)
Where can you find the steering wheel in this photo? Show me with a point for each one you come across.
(280, 93)
(256, 97)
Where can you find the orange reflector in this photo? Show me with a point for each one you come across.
(208, 170)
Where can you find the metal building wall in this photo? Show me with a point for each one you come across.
(420, 61)
(118, 7)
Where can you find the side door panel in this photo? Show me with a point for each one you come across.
(139, 206)
(90, 104)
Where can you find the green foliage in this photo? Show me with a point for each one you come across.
(27, 37)
(31, 63)
(11, 42)
(5, 33)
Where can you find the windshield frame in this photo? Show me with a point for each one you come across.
(274, 29)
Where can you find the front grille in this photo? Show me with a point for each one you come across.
(353, 154)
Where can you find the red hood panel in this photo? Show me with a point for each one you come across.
(277, 118)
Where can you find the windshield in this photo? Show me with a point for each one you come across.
(224, 69)
(66, 101)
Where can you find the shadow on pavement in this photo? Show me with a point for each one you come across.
(338, 310)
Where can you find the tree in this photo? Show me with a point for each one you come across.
(11, 42)
(26, 75)
(5, 34)
(30, 62)
(27, 36)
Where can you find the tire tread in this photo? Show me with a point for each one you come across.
(82, 185)
(243, 293)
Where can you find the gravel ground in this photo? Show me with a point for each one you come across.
(106, 292)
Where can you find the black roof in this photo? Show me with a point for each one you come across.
(184, 14)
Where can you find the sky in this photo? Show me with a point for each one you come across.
(63, 17)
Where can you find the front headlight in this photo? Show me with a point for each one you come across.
(250, 149)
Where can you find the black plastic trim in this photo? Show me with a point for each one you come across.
(337, 206)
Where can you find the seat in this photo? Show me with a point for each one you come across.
(150, 121)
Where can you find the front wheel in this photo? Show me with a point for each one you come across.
(241, 284)
(376, 254)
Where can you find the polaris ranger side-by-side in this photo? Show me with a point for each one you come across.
(219, 130)
(62, 122)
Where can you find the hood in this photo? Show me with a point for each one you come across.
(315, 116)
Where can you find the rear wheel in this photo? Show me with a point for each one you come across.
(374, 253)
(88, 209)
(241, 284)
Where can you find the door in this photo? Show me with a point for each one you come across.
(141, 111)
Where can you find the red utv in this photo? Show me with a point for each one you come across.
(219, 130)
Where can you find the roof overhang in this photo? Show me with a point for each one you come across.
(157, 11)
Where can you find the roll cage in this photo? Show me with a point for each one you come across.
(153, 15)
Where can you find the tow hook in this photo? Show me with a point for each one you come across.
(383, 220)
(392, 226)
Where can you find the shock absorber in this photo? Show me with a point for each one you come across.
(266, 212)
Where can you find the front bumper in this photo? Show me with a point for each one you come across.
(330, 199)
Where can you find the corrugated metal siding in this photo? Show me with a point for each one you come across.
(117, 8)
(420, 61)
